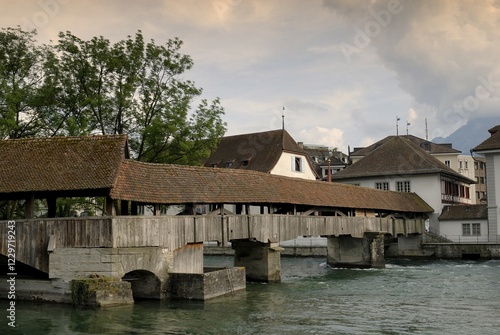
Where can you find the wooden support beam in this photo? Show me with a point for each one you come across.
(29, 206)
(110, 206)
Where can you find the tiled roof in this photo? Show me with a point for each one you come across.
(60, 163)
(431, 147)
(179, 184)
(491, 143)
(100, 162)
(397, 156)
(464, 212)
(255, 151)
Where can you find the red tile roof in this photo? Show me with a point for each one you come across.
(431, 147)
(397, 156)
(60, 163)
(100, 162)
(261, 151)
(179, 184)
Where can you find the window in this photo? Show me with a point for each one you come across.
(459, 163)
(403, 186)
(447, 163)
(382, 186)
(297, 164)
(466, 163)
(245, 162)
(471, 229)
(482, 180)
(475, 165)
(228, 164)
(466, 229)
(476, 229)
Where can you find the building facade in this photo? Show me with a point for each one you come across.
(399, 164)
(490, 149)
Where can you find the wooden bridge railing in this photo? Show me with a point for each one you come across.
(172, 232)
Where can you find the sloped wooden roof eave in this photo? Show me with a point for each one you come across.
(174, 184)
(60, 164)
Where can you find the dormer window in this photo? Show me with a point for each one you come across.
(297, 164)
(245, 162)
(228, 164)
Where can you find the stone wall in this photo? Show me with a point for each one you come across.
(212, 283)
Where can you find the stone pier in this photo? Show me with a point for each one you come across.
(261, 261)
(351, 252)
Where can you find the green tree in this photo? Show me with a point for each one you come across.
(135, 88)
(21, 84)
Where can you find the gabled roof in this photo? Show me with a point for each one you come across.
(397, 155)
(431, 147)
(60, 163)
(491, 143)
(256, 151)
(179, 184)
(464, 212)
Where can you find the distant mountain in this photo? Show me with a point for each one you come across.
(470, 135)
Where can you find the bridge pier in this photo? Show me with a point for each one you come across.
(352, 252)
(147, 268)
(262, 261)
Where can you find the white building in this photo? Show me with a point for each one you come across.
(464, 223)
(274, 152)
(490, 149)
(444, 152)
(398, 164)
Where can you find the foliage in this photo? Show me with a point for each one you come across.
(77, 87)
(133, 87)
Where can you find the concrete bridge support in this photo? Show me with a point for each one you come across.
(147, 268)
(351, 252)
(261, 260)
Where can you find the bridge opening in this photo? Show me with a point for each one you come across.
(144, 284)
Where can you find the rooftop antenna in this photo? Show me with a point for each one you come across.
(407, 124)
(426, 131)
(397, 120)
(283, 118)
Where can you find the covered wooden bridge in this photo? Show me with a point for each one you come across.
(263, 210)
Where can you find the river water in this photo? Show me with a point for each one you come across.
(407, 297)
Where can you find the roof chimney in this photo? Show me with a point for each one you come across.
(494, 130)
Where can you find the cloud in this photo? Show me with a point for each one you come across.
(438, 50)
(331, 137)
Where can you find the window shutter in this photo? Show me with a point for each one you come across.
(302, 164)
(293, 163)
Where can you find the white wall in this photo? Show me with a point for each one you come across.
(452, 229)
(284, 167)
(428, 187)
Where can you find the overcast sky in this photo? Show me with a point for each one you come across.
(342, 69)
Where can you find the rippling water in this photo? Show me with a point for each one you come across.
(408, 297)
